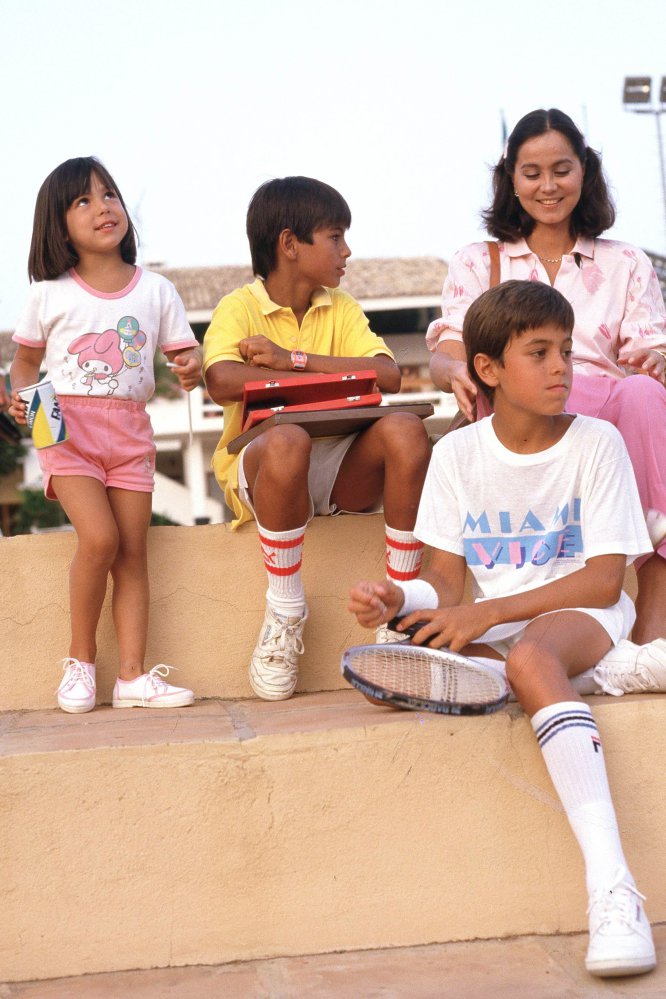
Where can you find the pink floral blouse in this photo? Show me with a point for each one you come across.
(612, 287)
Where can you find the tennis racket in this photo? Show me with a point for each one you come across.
(424, 679)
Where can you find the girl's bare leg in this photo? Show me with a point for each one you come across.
(85, 502)
(131, 511)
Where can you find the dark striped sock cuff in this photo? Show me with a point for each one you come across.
(579, 718)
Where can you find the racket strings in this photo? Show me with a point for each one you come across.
(414, 673)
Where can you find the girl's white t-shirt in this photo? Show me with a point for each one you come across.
(103, 345)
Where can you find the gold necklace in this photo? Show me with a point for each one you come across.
(546, 260)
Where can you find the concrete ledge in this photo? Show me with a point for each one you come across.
(207, 603)
(208, 590)
(238, 831)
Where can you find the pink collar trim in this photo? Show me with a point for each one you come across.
(107, 294)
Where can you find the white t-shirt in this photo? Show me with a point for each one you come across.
(524, 520)
(100, 344)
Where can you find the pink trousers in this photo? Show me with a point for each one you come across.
(636, 405)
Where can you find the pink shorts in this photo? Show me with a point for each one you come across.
(109, 439)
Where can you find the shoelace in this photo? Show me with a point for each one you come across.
(618, 903)
(76, 672)
(278, 643)
(617, 680)
(157, 676)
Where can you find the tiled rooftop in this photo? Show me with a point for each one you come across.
(201, 288)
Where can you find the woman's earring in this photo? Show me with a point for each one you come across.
(516, 194)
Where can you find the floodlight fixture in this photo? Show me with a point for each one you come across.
(637, 96)
(637, 90)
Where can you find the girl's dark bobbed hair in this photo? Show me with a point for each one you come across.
(51, 253)
(507, 220)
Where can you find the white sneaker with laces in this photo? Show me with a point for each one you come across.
(274, 663)
(385, 636)
(633, 669)
(76, 693)
(620, 934)
(150, 690)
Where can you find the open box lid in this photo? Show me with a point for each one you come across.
(262, 399)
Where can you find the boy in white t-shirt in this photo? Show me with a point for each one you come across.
(543, 508)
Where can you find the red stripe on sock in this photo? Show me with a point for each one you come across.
(394, 574)
(404, 546)
(283, 570)
(281, 544)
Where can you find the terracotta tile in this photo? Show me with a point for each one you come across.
(523, 968)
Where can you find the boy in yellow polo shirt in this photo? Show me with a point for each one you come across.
(293, 320)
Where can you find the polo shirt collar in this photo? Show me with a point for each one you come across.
(321, 296)
(583, 245)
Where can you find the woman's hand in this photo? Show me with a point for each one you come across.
(375, 603)
(448, 370)
(263, 353)
(652, 362)
(464, 390)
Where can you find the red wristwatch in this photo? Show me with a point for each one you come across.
(298, 360)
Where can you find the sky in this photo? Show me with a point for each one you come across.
(192, 105)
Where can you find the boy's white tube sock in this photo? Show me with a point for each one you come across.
(283, 556)
(569, 740)
(404, 555)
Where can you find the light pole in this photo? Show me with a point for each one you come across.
(637, 96)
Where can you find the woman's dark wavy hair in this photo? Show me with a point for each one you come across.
(51, 253)
(301, 204)
(507, 220)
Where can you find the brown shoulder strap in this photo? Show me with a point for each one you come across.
(493, 250)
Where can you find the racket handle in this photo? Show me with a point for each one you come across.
(411, 631)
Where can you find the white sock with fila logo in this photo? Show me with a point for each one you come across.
(283, 555)
(404, 555)
(569, 740)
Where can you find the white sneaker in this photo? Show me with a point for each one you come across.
(150, 690)
(274, 663)
(620, 934)
(656, 525)
(385, 636)
(633, 669)
(76, 693)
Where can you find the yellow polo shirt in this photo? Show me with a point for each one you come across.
(334, 325)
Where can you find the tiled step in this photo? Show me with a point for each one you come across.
(521, 968)
(233, 831)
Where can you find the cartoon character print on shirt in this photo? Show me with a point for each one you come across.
(101, 356)
(530, 541)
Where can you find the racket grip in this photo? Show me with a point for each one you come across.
(411, 631)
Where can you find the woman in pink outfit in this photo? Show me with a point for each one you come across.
(550, 205)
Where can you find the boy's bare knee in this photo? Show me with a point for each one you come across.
(405, 433)
(521, 663)
(284, 450)
(530, 661)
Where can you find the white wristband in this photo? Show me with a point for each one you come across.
(419, 595)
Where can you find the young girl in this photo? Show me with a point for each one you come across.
(99, 319)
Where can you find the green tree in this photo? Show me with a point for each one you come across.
(37, 511)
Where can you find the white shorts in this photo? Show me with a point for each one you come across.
(325, 460)
(617, 620)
